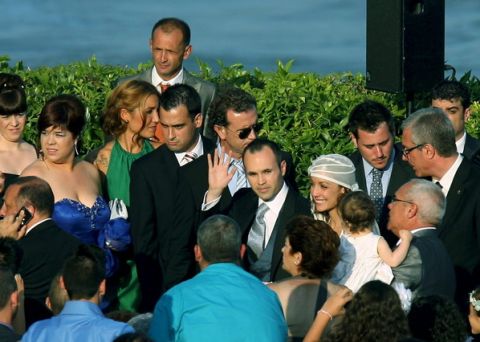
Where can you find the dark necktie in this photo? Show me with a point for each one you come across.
(256, 236)
(376, 191)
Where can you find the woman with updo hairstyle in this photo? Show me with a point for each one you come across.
(310, 253)
(15, 153)
(130, 117)
(79, 207)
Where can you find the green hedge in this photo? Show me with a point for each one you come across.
(305, 112)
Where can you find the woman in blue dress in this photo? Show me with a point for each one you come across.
(79, 207)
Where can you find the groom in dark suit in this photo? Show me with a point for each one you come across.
(170, 46)
(261, 211)
(418, 206)
(429, 146)
(372, 130)
(161, 211)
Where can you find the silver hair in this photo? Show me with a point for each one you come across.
(432, 126)
(429, 199)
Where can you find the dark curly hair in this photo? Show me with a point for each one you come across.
(229, 98)
(357, 210)
(317, 242)
(368, 116)
(435, 318)
(374, 314)
(66, 111)
(452, 90)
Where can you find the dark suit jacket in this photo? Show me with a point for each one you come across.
(401, 173)
(427, 269)
(161, 214)
(243, 208)
(472, 146)
(45, 249)
(205, 89)
(8, 335)
(460, 229)
(195, 175)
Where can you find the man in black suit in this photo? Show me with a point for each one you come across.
(234, 118)
(429, 146)
(453, 97)
(261, 211)
(161, 211)
(372, 130)
(45, 246)
(170, 46)
(419, 206)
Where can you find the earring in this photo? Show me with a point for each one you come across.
(76, 149)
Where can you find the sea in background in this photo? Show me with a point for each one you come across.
(322, 36)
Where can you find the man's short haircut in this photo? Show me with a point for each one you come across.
(181, 94)
(259, 144)
(368, 116)
(429, 199)
(229, 98)
(83, 272)
(169, 24)
(36, 192)
(452, 90)
(432, 126)
(8, 285)
(10, 254)
(219, 238)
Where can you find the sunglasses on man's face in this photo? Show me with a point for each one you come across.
(245, 132)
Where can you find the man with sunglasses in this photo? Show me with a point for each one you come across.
(429, 146)
(379, 168)
(233, 117)
(419, 206)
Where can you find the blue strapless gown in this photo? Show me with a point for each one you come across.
(93, 226)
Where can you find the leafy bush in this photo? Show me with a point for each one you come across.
(306, 113)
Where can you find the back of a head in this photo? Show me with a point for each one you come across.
(57, 296)
(130, 95)
(13, 99)
(374, 313)
(452, 90)
(317, 242)
(432, 126)
(435, 318)
(36, 192)
(83, 272)
(219, 238)
(8, 285)
(182, 94)
(357, 210)
(429, 198)
(66, 111)
(367, 116)
(10, 254)
(229, 98)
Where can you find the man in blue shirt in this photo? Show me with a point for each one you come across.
(81, 319)
(223, 302)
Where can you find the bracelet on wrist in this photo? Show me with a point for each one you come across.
(325, 312)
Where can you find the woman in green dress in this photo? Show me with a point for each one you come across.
(131, 117)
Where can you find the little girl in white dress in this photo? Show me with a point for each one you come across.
(373, 256)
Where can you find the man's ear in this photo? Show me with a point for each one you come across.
(61, 282)
(243, 249)
(354, 140)
(14, 300)
(102, 288)
(220, 130)
(198, 120)
(467, 114)
(198, 253)
(187, 52)
(283, 167)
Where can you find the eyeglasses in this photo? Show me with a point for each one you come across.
(245, 132)
(395, 199)
(406, 151)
